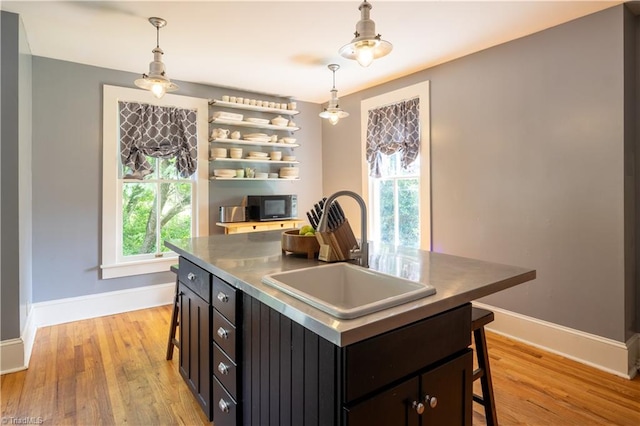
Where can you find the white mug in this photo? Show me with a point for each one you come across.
(232, 99)
(225, 98)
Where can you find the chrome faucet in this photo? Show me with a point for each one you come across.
(356, 253)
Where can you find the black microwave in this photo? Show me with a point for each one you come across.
(272, 207)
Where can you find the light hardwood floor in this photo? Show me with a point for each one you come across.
(112, 371)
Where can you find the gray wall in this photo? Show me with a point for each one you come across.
(630, 179)
(25, 183)
(10, 276)
(67, 173)
(637, 166)
(527, 153)
(15, 222)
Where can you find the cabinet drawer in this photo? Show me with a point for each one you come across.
(224, 334)
(378, 361)
(225, 408)
(225, 371)
(224, 298)
(196, 278)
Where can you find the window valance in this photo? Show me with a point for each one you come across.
(155, 131)
(393, 128)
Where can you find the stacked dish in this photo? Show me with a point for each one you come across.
(289, 172)
(257, 137)
(223, 115)
(257, 120)
(218, 153)
(257, 155)
(224, 173)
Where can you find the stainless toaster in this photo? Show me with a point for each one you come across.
(233, 214)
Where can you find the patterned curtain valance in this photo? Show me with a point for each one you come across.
(161, 132)
(393, 128)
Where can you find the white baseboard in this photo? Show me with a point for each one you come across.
(604, 354)
(16, 353)
(98, 305)
(12, 356)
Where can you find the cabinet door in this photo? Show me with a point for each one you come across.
(393, 407)
(195, 346)
(446, 392)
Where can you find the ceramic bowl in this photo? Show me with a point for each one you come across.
(275, 155)
(279, 121)
(218, 152)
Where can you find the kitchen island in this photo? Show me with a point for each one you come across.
(254, 355)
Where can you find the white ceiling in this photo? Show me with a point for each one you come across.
(280, 48)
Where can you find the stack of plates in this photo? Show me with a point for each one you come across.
(257, 120)
(257, 155)
(289, 172)
(226, 173)
(257, 137)
(223, 115)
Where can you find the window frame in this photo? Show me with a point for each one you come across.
(112, 265)
(420, 90)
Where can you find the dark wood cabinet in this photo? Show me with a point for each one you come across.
(248, 364)
(226, 352)
(440, 396)
(195, 346)
(391, 407)
(446, 392)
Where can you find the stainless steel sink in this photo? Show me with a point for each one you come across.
(347, 291)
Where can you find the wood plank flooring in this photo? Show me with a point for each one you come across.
(112, 371)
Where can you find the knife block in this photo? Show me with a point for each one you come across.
(336, 244)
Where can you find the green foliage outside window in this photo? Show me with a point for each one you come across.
(161, 201)
(397, 201)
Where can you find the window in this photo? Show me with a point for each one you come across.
(394, 201)
(399, 197)
(162, 198)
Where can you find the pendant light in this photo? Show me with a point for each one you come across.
(157, 81)
(366, 46)
(333, 112)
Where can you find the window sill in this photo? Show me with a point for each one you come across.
(140, 267)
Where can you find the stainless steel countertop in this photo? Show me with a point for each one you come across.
(243, 259)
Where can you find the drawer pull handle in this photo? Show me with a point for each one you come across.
(431, 400)
(223, 368)
(224, 334)
(418, 406)
(223, 297)
(191, 276)
(224, 406)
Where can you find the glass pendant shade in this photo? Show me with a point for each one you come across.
(366, 46)
(156, 81)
